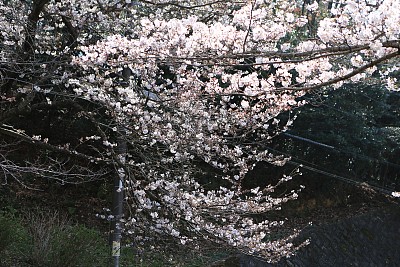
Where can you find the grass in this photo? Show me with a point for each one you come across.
(14, 241)
(46, 239)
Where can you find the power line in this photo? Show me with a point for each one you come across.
(315, 168)
(307, 140)
(359, 92)
(380, 189)
(306, 165)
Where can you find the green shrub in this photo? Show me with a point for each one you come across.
(46, 239)
(78, 246)
(6, 235)
(55, 242)
(14, 241)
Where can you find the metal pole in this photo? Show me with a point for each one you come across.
(118, 199)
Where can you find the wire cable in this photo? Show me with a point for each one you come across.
(307, 140)
(306, 165)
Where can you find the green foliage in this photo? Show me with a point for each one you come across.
(48, 240)
(351, 132)
(188, 258)
(14, 240)
(57, 243)
(355, 121)
(78, 246)
(6, 233)
(129, 257)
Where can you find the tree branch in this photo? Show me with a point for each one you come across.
(18, 134)
(176, 4)
(344, 77)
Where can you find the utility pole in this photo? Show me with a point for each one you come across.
(118, 200)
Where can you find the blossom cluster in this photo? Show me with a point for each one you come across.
(187, 95)
(201, 82)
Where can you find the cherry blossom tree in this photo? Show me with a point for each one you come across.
(186, 83)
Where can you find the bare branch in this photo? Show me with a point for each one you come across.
(10, 131)
(179, 5)
(344, 77)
